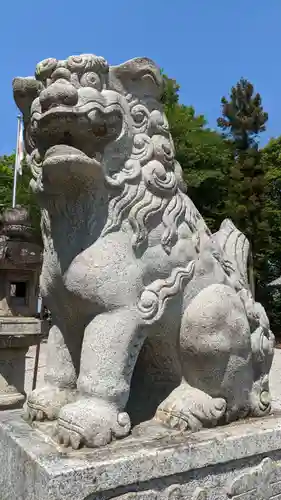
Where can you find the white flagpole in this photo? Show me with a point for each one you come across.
(16, 165)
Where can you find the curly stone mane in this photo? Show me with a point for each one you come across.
(151, 181)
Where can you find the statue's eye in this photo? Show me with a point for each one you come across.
(91, 79)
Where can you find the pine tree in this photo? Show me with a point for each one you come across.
(243, 117)
(242, 121)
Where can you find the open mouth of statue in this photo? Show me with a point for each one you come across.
(66, 133)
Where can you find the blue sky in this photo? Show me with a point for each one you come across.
(206, 45)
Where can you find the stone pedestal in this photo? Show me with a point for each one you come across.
(241, 462)
(16, 336)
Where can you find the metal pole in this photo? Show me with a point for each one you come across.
(36, 364)
(16, 166)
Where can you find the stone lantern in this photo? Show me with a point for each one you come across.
(20, 266)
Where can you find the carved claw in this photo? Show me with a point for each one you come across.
(189, 408)
(45, 403)
(31, 413)
(40, 415)
(67, 437)
(91, 422)
(63, 437)
(75, 440)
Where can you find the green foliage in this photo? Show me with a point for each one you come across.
(228, 176)
(203, 154)
(271, 159)
(6, 181)
(170, 95)
(243, 119)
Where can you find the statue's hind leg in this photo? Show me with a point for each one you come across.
(217, 362)
(158, 369)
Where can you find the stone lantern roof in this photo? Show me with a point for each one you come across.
(15, 224)
(18, 247)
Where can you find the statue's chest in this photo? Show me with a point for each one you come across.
(80, 273)
(102, 273)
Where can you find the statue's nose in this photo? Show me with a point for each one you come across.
(61, 92)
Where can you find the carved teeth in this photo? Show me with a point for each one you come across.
(112, 119)
(94, 116)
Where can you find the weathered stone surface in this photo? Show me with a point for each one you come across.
(21, 328)
(241, 461)
(152, 314)
(16, 336)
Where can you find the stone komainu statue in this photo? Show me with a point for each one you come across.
(152, 315)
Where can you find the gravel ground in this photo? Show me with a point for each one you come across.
(275, 375)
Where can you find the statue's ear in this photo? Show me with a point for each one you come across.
(25, 90)
(139, 77)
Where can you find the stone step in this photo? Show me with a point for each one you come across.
(19, 326)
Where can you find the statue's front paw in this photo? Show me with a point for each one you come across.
(45, 403)
(91, 422)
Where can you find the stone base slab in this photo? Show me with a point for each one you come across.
(241, 462)
(11, 400)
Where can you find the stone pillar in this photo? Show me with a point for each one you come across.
(12, 373)
(16, 336)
